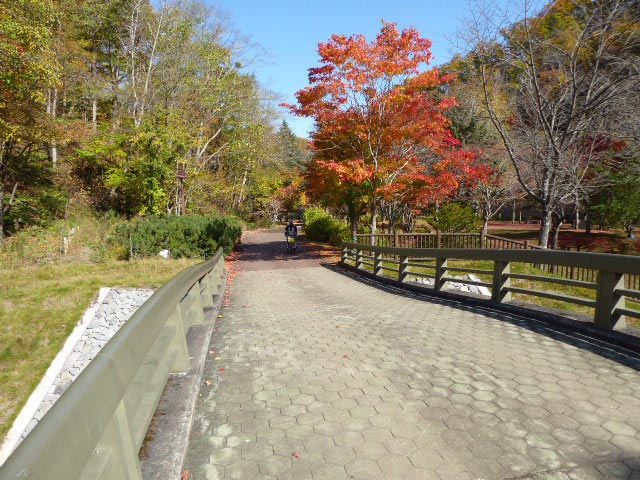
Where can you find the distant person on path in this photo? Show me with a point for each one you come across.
(291, 233)
(291, 230)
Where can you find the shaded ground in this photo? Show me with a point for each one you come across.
(313, 375)
(267, 251)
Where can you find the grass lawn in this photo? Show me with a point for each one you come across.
(39, 307)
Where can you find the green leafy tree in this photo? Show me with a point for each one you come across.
(104, 100)
(27, 68)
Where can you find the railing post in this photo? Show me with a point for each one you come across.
(191, 308)
(197, 305)
(206, 293)
(403, 268)
(358, 259)
(178, 342)
(124, 449)
(215, 277)
(483, 234)
(377, 263)
(501, 280)
(438, 239)
(441, 268)
(345, 252)
(526, 244)
(396, 243)
(607, 301)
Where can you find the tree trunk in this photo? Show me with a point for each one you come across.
(244, 182)
(557, 223)
(234, 196)
(52, 109)
(485, 225)
(115, 114)
(545, 228)
(353, 221)
(513, 213)
(94, 114)
(373, 224)
(53, 153)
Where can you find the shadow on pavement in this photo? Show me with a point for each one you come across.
(307, 254)
(557, 332)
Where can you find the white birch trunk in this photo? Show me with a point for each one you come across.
(94, 114)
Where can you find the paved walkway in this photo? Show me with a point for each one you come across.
(319, 375)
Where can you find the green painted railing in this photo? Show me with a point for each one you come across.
(609, 285)
(96, 428)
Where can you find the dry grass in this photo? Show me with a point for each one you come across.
(39, 307)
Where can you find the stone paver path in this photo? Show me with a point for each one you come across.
(319, 375)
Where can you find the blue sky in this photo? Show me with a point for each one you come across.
(290, 32)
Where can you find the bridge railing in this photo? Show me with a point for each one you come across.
(96, 428)
(433, 263)
(482, 240)
(443, 240)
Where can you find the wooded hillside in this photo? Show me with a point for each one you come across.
(134, 107)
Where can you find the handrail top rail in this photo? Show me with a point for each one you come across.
(607, 262)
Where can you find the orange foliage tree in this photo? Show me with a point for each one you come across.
(380, 125)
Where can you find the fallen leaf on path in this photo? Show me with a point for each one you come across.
(221, 369)
(220, 316)
(345, 356)
(211, 352)
(218, 358)
(296, 454)
(208, 382)
(185, 475)
(338, 326)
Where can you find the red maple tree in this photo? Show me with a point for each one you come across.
(380, 123)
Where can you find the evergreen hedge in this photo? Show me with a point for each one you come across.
(183, 236)
(454, 218)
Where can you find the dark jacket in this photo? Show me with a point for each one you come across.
(291, 231)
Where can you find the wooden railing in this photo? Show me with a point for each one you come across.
(96, 428)
(609, 305)
(482, 240)
(442, 240)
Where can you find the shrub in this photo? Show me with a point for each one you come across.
(311, 214)
(454, 218)
(322, 227)
(183, 236)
